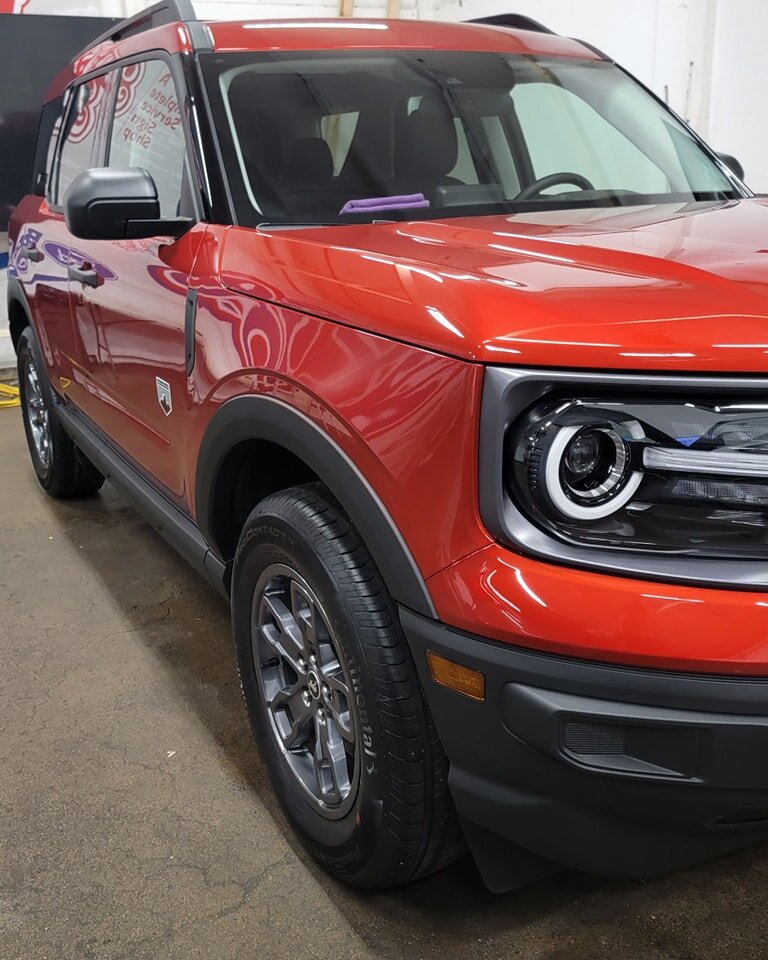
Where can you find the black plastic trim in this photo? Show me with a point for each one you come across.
(199, 34)
(158, 15)
(190, 318)
(692, 791)
(513, 21)
(207, 154)
(504, 662)
(16, 292)
(507, 392)
(173, 525)
(264, 418)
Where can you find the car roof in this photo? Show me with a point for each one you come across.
(317, 34)
(359, 34)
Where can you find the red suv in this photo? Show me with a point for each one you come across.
(440, 350)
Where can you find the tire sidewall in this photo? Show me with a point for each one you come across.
(347, 845)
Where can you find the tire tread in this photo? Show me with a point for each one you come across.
(422, 829)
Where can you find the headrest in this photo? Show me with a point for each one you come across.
(430, 145)
(310, 161)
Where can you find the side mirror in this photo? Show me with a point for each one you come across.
(107, 204)
(733, 164)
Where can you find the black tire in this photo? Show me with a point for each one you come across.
(399, 821)
(62, 470)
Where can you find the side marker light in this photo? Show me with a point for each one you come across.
(456, 677)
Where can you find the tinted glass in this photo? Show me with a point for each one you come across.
(147, 130)
(47, 137)
(84, 125)
(307, 136)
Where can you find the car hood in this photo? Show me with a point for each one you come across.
(667, 287)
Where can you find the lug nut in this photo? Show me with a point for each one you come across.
(312, 659)
(321, 715)
(302, 663)
(306, 699)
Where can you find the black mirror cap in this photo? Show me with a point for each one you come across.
(117, 204)
(733, 164)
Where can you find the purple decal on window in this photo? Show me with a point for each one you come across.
(410, 201)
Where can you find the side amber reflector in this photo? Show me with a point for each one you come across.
(461, 679)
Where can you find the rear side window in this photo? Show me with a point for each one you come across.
(82, 131)
(148, 132)
(47, 137)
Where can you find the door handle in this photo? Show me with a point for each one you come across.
(30, 251)
(86, 275)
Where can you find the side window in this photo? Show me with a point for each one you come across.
(147, 130)
(47, 138)
(51, 151)
(564, 133)
(84, 120)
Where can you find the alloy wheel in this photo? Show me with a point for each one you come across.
(37, 414)
(305, 689)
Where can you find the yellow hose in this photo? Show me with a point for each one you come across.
(9, 396)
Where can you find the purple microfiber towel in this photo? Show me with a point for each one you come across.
(411, 201)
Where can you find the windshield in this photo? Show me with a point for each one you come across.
(358, 137)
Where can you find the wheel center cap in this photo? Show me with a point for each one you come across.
(313, 685)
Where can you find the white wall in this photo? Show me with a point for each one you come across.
(738, 121)
(706, 58)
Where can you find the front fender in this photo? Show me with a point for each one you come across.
(267, 419)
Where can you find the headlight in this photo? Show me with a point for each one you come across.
(581, 472)
(678, 476)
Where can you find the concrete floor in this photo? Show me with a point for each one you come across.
(135, 817)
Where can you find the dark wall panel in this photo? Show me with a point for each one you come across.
(32, 51)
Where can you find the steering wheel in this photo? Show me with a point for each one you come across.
(552, 180)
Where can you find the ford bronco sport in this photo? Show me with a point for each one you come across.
(442, 352)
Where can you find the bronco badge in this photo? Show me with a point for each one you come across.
(164, 395)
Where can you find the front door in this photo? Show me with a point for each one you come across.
(138, 318)
(44, 251)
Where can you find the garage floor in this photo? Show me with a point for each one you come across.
(136, 820)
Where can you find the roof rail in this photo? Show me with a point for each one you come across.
(167, 11)
(514, 21)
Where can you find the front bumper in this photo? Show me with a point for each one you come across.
(596, 616)
(619, 771)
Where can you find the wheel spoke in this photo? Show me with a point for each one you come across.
(293, 716)
(283, 633)
(304, 689)
(337, 701)
(37, 414)
(305, 616)
(330, 761)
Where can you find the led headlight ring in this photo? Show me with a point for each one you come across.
(611, 494)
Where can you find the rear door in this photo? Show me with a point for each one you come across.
(138, 319)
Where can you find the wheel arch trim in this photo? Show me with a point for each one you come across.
(16, 294)
(263, 418)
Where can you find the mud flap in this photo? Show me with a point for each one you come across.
(502, 864)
